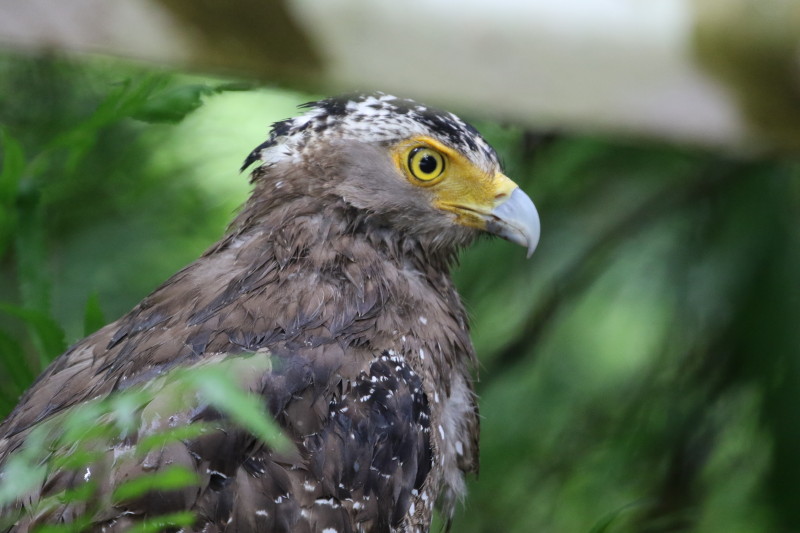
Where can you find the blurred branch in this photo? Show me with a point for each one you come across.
(708, 71)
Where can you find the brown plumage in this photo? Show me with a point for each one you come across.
(336, 271)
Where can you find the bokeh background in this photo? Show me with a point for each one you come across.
(641, 373)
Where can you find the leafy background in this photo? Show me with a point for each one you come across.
(641, 373)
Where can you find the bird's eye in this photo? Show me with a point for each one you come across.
(425, 164)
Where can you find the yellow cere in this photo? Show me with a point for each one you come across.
(457, 184)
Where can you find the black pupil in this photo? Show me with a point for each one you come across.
(428, 164)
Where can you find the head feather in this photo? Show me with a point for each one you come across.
(373, 118)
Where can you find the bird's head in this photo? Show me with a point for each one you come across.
(417, 170)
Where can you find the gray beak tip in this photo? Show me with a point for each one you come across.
(517, 220)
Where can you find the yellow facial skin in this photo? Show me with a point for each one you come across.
(459, 187)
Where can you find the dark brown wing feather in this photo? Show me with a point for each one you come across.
(364, 332)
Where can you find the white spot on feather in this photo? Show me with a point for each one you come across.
(329, 502)
(120, 451)
(262, 512)
(423, 320)
(237, 243)
(441, 431)
(309, 486)
(302, 120)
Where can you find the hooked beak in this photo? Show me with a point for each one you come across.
(496, 205)
(516, 219)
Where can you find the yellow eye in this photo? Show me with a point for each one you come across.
(425, 164)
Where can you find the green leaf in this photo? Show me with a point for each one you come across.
(604, 524)
(10, 176)
(85, 421)
(124, 409)
(81, 493)
(245, 409)
(48, 333)
(93, 318)
(172, 478)
(13, 364)
(13, 167)
(235, 86)
(81, 523)
(167, 522)
(30, 251)
(28, 477)
(176, 434)
(172, 105)
(77, 458)
(124, 100)
(25, 467)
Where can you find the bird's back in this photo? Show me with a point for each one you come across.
(344, 332)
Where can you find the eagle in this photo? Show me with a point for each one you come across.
(337, 272)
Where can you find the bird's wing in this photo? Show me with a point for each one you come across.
(359, 449)
(357, 419)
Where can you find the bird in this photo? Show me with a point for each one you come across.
(337, 272)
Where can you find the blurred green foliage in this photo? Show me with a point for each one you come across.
(76, 440)
(639, 374)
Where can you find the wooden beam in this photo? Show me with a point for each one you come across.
(714, 72)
